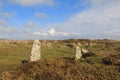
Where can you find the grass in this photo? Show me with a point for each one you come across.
(55, 51)
(54, 55)
(12, 54)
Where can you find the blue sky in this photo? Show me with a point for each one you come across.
(59, 19)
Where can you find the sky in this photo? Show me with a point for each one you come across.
(59, 19)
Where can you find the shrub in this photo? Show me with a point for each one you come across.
(89, 54)
(117, 49)
(112, 60)
(92, 60)
(70, 45)
(62, 69)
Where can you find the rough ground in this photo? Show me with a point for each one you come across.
(57, 63)
(63, 69)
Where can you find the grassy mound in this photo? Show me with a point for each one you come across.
(62, 69)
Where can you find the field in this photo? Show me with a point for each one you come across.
(58, 62)
(12, 54)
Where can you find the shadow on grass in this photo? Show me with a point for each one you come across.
(70, 60)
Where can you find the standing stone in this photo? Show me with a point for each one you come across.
(89, 44)
(36, 52)
(84, 50)
(78, 54)
(79, 44)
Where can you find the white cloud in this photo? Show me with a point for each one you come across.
(38, 33)
(4, 36)
(33, 2)
(1, 37)
(40, 15)
(27, 31)
(52, 32)
(48, 34)
(99, 3)
(6, 29)
(3, 22)
(30, 24)
(114, 32)
(62, 33)
(0, 3)
(7, 15)
(55, 33)
(103, 17)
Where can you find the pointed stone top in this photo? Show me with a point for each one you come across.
(36, 40)
(77, 47)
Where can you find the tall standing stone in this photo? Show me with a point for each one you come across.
(78, 54)
(36, 52)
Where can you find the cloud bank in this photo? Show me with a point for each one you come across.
(103, 17)
(100, 20)
(33, 2)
